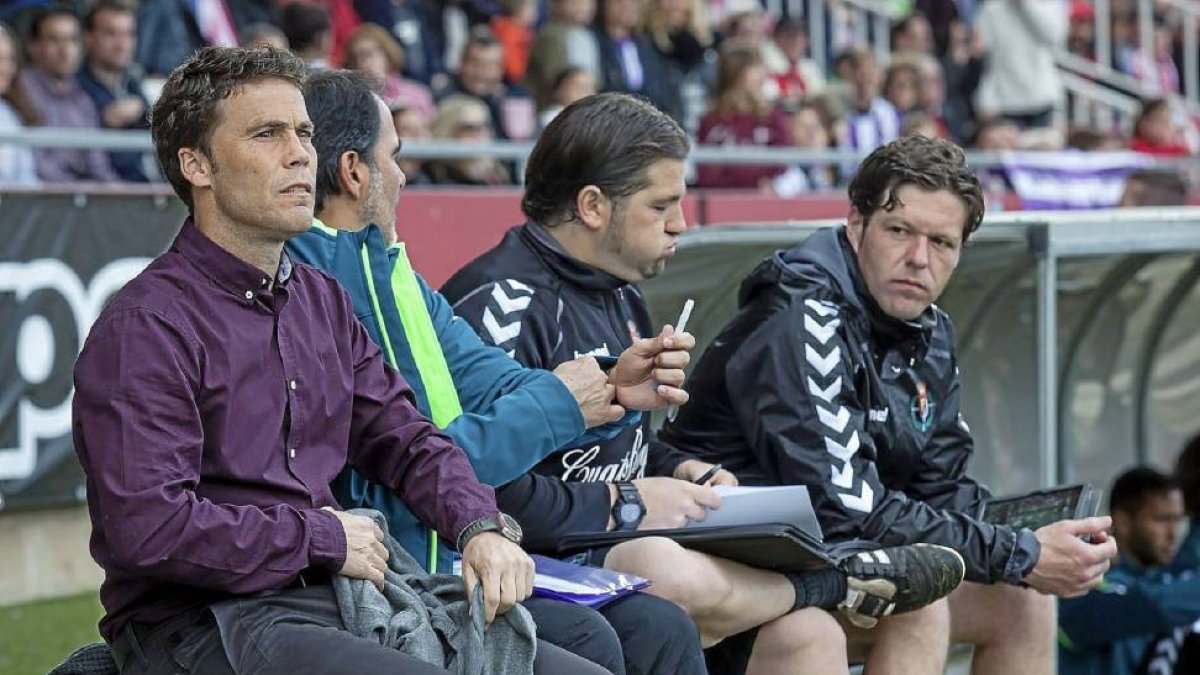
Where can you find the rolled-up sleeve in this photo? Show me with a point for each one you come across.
(138, 430)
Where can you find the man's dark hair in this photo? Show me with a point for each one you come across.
(1131, 489)
(303, 24)
(345, 116)
(1187, 473)
(46, 12)
(188, 109)
(608, 140)
(926, 163)
(1160, 187)
(119, 6)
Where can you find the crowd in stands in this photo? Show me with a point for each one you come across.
(981, 73)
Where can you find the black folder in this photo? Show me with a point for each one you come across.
(773, 546)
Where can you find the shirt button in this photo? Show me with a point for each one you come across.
(249, 295)
(292, 453)
(292, 385)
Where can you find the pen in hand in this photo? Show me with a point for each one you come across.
(708, 475)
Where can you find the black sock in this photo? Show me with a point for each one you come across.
(824, 589)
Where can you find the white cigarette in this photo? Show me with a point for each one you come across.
(684, 315)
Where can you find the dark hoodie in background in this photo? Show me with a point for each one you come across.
(812, 384)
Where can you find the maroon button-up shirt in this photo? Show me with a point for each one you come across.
(212, 409)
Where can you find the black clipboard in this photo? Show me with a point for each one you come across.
(772, 546)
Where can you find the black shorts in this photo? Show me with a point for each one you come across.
(731, 655)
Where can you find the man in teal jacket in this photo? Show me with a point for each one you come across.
(506, 417)
(1109, 630)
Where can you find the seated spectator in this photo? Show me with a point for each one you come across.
(871, 121)
(807, 130)
(1081, 34)
(108, 77)
(1187, 473)
(997, 135)
(465, 119)
(372, 50)
(793, 74)
(419, 28)
(962, 67)
(679, 30)
(920, 124)
(1155, 67)
(410, 126)
(514, 30)
(572, 84)
(1020, 77)
(1090, 139)
(481, 76)
(739, 115)
(933, 98)
(943, 17)
(912, 35)
(259, 35)
(628, 59)
(566, 40)
(16, 162)
(57, 99)
(1155, 131)
(1107, 631)
(1161, 187)
(902, 85)
(309, 32)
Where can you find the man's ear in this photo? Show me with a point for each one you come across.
(196, 167)
(354, 176)
(593, 206)
(854, 227)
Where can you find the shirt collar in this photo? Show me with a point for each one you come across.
(225, 269)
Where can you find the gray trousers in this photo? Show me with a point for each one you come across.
(287, 632)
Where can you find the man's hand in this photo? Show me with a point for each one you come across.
(589, 385)
(366, 556)
(1068, 566)
(692, 470)
(671, 502)
(122, 112)
(505, 571)
(649, 375)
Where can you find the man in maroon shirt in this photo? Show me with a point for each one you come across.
(223, 389)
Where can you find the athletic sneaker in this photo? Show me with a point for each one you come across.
(897, 580)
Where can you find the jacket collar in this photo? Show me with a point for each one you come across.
(564, 265)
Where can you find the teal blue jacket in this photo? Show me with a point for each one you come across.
(513, 416)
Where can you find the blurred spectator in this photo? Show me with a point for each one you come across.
(740, 115)
(793, 74)
(465, 119)
(108, 77)
(941, 17)
(961, 69)
(1093, 140)
(680, 32)
(514, 29)
(997, 134)
(918, 123)
(950, 120)
(481, 76)
(1081, 34)
(309, 31)
(628, 60)
(259, 35)
(56, 98)
(1155, 67)
(1124, 40)
(572, 84)
(806, 130)
(565, 41)
(168, 32)
(871, 121)
(1187, 472)
(417, 26)
(16, 162)
(912, 34)
(410, 126)
(902, 85)
(1156, 187)
(746, 22)
(1020, 78)
(1155, 131)
(373, 51)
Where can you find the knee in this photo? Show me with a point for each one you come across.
(675, 573)
(804, 633)
(1024, 612)
(588, 635)
(928, 624)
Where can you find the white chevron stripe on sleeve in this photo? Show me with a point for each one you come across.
(843, 477)
(820, 307)
(823, 364)
(837, 421)
(827, 393)
(864, 501)
(842, 452)
(518, 286)
(822, 333)
(500, 333)
(508, 304)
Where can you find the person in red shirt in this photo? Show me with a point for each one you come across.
(1155, 132)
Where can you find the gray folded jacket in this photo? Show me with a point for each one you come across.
(427, 616)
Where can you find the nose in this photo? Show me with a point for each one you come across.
(299, 153)
(918, 252)
(676, 223)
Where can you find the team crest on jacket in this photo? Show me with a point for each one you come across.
(922, 408)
